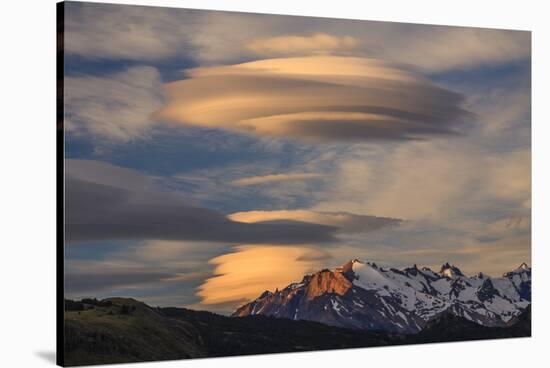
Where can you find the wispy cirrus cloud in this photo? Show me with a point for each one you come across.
(113, 31)
(318, 43)
(274, 178)
(116, 107)
(427, 48)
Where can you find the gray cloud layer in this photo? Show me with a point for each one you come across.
(94, 281)
(97, 210)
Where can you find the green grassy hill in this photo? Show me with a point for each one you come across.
(124, 330)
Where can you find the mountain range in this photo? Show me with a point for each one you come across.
(365, 296)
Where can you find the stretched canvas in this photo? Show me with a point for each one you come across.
(234, 183)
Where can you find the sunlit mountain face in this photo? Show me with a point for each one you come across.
(211, 156)
(362, 295)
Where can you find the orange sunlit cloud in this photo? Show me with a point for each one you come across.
(251, 269)
(345, 222)
(313, 99)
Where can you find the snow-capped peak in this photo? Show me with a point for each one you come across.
(522, 269)
(450, 271)
(369, 277)
(347, 267)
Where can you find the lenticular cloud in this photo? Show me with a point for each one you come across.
(314, 99)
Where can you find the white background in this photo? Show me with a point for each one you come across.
(27, 181)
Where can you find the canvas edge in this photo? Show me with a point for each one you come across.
(60, 172)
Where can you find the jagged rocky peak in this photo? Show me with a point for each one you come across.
(412, 270)
(480, 275)
(523, 269)
(327, 281)
(450, 271)
(265, 294)
(347, 269)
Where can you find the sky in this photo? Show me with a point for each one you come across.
(210, 156)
